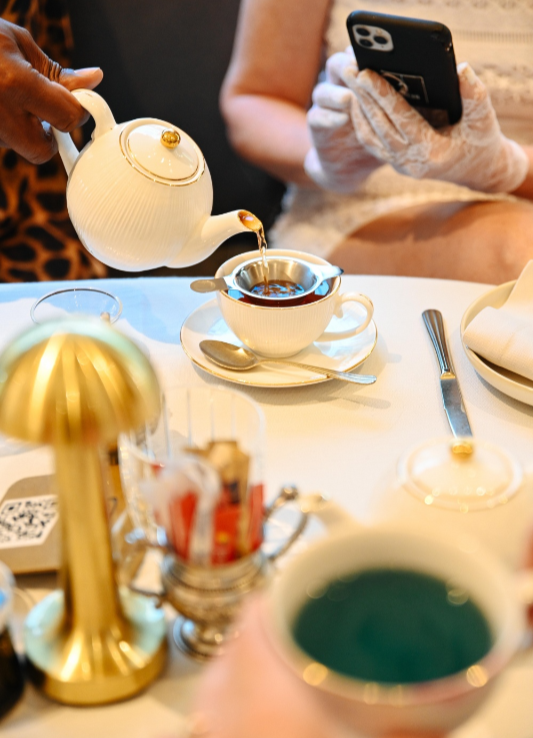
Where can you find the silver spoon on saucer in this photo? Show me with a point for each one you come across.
(241, 359)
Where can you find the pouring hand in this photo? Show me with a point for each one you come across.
(34, 89)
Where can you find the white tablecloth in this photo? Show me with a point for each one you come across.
(334, 437)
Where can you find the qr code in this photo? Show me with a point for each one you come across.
(27, 521)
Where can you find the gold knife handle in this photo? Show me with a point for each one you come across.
(435, 327)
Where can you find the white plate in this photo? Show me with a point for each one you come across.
(511, 384)
(207, 322)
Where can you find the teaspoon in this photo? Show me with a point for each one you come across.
(241, 359)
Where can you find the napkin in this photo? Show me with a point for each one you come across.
(504, 336)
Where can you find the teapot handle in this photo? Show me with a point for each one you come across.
(98, 108)
(103, 117)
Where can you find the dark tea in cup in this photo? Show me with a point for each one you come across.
(277, 288)
(392, 626)
(281, 290)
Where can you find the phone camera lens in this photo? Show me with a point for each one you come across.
(362, 31)
(364, 42)
(380, 40)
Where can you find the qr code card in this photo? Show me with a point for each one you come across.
(27, 521)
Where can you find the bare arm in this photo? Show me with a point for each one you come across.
(266, 93)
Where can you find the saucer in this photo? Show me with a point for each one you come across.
(343, 355)
(511, 384)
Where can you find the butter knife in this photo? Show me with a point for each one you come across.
(451, 393)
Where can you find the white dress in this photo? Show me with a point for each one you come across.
(496, 37)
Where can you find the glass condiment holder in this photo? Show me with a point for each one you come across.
(194, 486)
(469, 485)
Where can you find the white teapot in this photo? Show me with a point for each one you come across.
(140, 194)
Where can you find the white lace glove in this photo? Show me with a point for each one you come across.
(473, 152)
(337, 161)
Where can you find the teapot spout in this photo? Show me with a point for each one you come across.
(218, 228)
(215, 230)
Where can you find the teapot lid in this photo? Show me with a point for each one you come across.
(162, 152)
(460, 474)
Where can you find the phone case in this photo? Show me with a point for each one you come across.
(415, 56)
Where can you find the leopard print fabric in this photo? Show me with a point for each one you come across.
(37, 240)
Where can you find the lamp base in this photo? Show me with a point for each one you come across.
(78, 668)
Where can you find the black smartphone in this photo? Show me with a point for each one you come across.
(415, 56)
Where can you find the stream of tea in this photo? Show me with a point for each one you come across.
(278, 288)
(267, 288)
(254, 224)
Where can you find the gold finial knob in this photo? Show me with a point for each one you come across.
(462, 448)
(170, 139)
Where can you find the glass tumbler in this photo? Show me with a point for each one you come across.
(70, 301)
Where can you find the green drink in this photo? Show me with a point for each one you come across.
(393, 626)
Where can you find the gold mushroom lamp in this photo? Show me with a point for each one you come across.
(76, 384)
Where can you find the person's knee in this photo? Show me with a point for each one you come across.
(481, 241)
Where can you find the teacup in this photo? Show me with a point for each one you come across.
(280, 331)
(467, 572)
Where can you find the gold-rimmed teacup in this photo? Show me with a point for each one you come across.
(283, 330)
